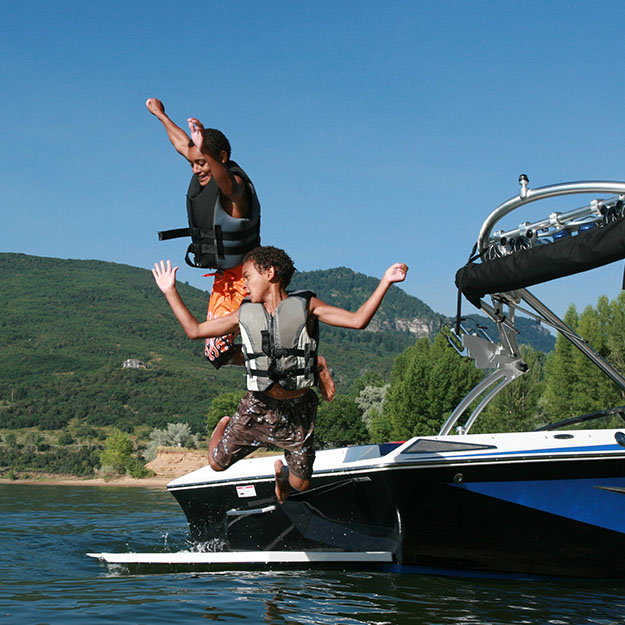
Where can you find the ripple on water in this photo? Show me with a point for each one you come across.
(46, 532)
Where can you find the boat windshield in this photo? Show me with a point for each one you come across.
(602, 419)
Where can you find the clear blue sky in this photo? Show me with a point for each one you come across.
(374, 131)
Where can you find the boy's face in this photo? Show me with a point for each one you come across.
(256, 280)
(200, 165)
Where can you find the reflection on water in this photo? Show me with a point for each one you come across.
(45, 532)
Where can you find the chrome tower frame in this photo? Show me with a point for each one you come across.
(504, 359)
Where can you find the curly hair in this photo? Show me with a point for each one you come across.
(268, 256)
(215, 141)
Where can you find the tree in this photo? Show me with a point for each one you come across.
(118, 449)
(65, 439)
(367, 379)
(371, 400)
(615, 329)
(599, 391)
(451, 377)
(339, 423)
(224, 405)
(427, 382)
(406, 398)
(32, 442)
(174, 435)
(561, 378)
(574, 385)
(118, 458)
(380, 428)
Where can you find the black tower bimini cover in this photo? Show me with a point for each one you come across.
(574, 254)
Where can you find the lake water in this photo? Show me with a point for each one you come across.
(46, 577)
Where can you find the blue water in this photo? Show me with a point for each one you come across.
(46, 577)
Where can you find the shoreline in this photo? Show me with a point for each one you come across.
(170, 463)
(148, 482)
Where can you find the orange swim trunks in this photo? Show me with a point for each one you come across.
(226, 297)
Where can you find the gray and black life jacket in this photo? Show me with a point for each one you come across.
(219, 241)
(281, 347)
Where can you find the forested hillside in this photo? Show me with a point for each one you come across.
(68, 325)
(400, 312)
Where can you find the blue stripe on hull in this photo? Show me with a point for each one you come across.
(597, 449)
(584, 500)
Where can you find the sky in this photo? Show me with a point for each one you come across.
(374, 132)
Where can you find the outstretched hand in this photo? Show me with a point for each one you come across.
(196, 130)
(165, 276)
(154, 106)
(396, 272)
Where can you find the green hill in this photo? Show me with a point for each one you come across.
(68, 326)
(401, 317)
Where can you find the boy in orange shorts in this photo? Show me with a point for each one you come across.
(224, 219)
(224, 224)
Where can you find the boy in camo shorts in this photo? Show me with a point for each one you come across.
(280, 407)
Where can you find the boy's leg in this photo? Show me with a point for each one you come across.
(299, 447)
(216, 436)
(233, 438)
(226, 296)
(286, 481)
(260, 420)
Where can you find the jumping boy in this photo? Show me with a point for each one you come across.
(279, 334)
(224, 219)
(222, 203)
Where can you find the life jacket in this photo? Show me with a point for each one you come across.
(281, 347)
(219, 241)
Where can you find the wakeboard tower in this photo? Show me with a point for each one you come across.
(504, 263)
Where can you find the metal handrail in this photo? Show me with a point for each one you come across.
(527, 195)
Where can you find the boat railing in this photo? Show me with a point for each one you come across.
(556, 225)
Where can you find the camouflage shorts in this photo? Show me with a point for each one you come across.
(262, 420)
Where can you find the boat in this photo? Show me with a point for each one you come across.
(546, 502)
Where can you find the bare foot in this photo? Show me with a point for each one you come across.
(326, 382)
(283, 488)
(216, 436)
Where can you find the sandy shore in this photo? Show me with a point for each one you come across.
(169, 464)
(158, 482)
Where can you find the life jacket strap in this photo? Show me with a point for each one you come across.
(176, 233)
(200, 234)
(276, 377)
(254, 355)
(198, 249)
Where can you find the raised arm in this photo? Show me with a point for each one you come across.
(360, 319)
(165, 277)
(178, 137)
(231, 185)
